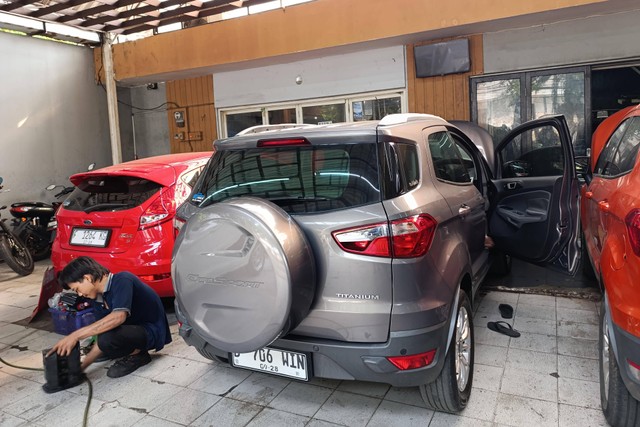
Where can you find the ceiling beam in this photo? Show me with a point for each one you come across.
(57, 7)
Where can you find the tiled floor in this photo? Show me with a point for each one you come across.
(546, 377)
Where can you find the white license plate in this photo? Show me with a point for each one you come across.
(273, 361)
(89, 237)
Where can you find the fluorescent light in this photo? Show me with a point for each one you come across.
(235, 13)
(67, 30)
(286, 3)
(264, 7)
(169, 27)
(6, 18)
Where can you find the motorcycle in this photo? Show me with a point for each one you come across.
(12, 250)
(35, 224)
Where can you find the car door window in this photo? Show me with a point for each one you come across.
(604, 163)
(621, 150)
(536, 152)
(447, 162)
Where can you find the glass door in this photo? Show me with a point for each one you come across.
(500, 103)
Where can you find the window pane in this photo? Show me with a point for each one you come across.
(375, 109)
(535, 152)
(110, 193)
(446, 159)
(561, 94)
(298, 179)
(625, 157)
(287, 115)
(499, 106)
(607, 153)
(241, 121)
(324, 114)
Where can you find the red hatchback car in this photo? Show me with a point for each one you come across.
(122, 216)
(610, 214)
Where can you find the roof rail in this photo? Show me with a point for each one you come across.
(396, 119)
(268, 128)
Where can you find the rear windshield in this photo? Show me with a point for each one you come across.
(111, 193)
(298, 179)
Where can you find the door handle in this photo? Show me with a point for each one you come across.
(588, 194)
(464, 210)
(512, 185)
(604, 206)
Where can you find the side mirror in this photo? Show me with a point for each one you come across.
(51, 187)
(91, 167)
(583, 168)
(516, 169)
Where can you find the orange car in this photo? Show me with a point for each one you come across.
(610, 214)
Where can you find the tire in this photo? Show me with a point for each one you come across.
(205, 353)
(15, 254)
(451, 390)
(501, 265)
(37, 246)
(619, 407)
(244, 274)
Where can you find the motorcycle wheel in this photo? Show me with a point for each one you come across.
(15, 254)
(38, 247)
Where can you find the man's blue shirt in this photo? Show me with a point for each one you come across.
(126, 292)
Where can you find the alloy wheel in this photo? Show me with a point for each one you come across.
(463, 349)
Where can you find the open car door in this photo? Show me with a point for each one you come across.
(535, 208)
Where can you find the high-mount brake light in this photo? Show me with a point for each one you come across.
(632, 220)
(409, 238)
(283, 142)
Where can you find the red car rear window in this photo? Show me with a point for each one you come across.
(110, 193)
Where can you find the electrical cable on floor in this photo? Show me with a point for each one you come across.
(85, 419)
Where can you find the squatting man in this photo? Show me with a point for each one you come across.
(131, 317)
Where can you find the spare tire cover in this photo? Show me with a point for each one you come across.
(243, 273)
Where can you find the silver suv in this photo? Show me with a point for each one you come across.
(354, 251)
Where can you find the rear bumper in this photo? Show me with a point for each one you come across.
(355, 361)
(628, 349)
(127, 261)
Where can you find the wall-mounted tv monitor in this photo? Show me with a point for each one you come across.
(442, 58)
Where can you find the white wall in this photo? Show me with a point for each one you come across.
(53, 114)
(151, 123)
(593, 39)
(364, 71)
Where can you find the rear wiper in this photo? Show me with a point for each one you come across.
(107, 206)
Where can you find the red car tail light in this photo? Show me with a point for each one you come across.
(633, 228)
(413, 361)
(162, 209)
(409, 238)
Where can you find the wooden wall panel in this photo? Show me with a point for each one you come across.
(445, 96)
(194, 97)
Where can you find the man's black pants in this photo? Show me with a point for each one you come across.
(122, 341)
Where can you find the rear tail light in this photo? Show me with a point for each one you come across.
(409, 238)
(162, 209)
(413, 361)
(178, 223)
(20, 209)
(633, 227)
